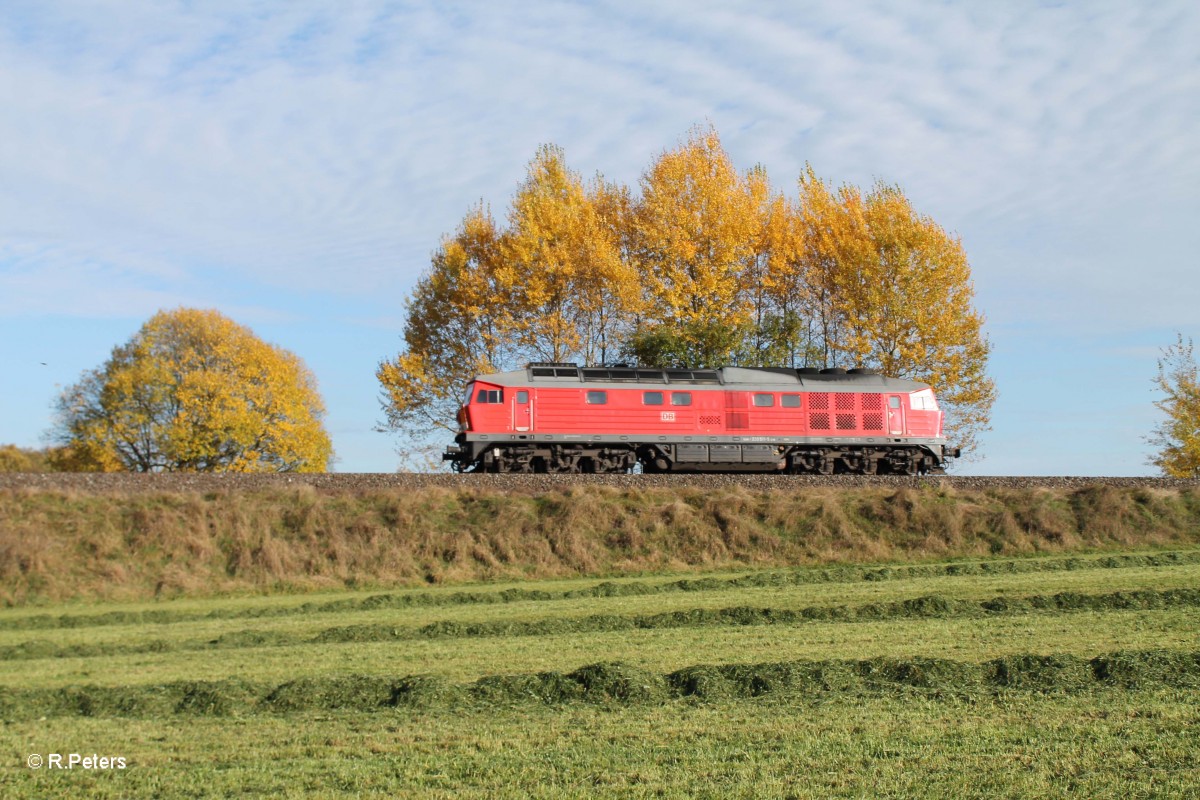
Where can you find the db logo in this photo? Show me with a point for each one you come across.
(668, 416)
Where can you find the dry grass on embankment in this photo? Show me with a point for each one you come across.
(66, 543)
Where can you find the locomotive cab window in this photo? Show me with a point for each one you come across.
(923, 401)
(489, 396)
(597, 398)
(681, 398)
(789, 400)
(652, 398)
(522, 396)
(764, 400)
(893, 402)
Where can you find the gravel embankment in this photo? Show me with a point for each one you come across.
(383, 481)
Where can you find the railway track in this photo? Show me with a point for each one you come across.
(363, 482)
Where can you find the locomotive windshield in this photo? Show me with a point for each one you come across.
(924, 401)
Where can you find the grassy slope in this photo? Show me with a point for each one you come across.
(62, 545)
(937, 735)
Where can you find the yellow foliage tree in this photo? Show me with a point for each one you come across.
(193, 391)
(828, 235)
(777, 281)
(895, 293)
(561, 257)
(552, 286)
(23, 459)
(459, 323)
(1178, 436)
(695, 228)
(610, 321)
(705, 267)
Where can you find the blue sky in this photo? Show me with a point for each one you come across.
(293, 165)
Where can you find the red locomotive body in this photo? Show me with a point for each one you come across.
(562, 418)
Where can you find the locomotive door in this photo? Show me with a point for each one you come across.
(522, 411)
(737, 415)
(895, 415)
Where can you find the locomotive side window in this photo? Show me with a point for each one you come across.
(597, 398)
(681, 398)
(893, 402)
(490, 396)
(764, 400)
(652, 398)
(522, 397)
(789, 400)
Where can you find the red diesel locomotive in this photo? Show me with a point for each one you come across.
(561, 418)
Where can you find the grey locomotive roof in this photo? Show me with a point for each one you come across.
(777, 379)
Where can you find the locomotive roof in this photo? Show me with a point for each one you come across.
(744, 378)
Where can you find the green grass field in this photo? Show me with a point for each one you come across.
(1039, 677)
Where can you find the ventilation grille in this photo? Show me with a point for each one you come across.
(853, 412)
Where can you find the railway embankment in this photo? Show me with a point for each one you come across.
(137, 537)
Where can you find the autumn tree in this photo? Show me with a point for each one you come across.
(23, 459)
(193, 391)
(776, 279)
(561, 258)
(902, 301)
(457, 325)
(1178, 436)
(702, 267)
(611, 321)
(694, 231)
(553, 285)
(828, 234)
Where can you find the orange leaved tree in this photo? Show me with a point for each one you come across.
(194, 391)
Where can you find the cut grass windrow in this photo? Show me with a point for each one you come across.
(926, 607)
(798, 577)
(617, 683)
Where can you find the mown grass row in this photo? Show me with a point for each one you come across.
(615, 683)
(925, 607)
(1108, 744)
(631, 588)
